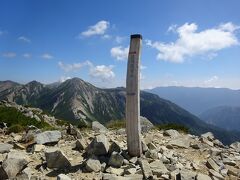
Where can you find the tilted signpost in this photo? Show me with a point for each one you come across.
(133, 97)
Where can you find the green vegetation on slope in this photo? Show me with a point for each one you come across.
(17, 122)
(177, 127)
(117, 124)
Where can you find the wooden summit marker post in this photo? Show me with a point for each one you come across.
(133, 97)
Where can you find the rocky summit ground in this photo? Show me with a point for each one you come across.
(100, 153)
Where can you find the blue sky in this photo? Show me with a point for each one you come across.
(185, 43)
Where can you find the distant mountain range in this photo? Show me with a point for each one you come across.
(226, 117)
(76, 100)
(198, 100)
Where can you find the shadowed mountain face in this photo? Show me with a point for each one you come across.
(7, 85)
(197, 100)
(76, 100)
(226, 117)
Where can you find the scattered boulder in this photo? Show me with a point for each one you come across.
(186, 174)
(116, 171)
(206, 141)
(152, 154)
(212, 164)
(17, 137)
(121, 131)
(236, 146)
(216, 174)
(146, 169)
(144, 147)
(98, 127)
(81, 144)
(114, 147)
(5, 147)
(56, 158)
(116, 160)
(208, 136)
(182, 142)
(146, 125)
(18, 146)
(63, 177)
(25, 174)
(74, 131)
(171, 132)
(93, 164)
(99, 145)
(201, 176)
(48, 137)
(38, 148)
(14, 163)
(158, 168)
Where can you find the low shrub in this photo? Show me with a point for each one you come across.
(116, 124)
(19, 121)
(16, 128)
(177, 127)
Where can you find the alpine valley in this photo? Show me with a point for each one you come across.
(78, 101)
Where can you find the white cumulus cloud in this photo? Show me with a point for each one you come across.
(9, 54)
(190, 42)
(47, 56)
(102, 72)
(24, 39)
(120, 53)
(73, 67)
(97, 29)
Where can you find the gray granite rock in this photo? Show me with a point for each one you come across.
(158, 168)
(98, 127)
(146, 169)
(56, 158)
(116, 160)
(182, 142)
(14, 163)
(171, 132)
(5, 147)
(48, 137)
(99, 145)
(93, 164)
(212, 164)
(201, 176)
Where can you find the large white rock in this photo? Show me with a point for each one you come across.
(98, 127)
(14, 163)
(5, 147)
(63, 177)
(93, 164)
(171, 132)
(48, 137)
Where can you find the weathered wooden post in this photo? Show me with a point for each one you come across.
(133, 97)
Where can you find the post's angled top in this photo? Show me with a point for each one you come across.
(136, 36)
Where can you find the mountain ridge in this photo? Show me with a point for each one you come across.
(78, 101)
(196, 99)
